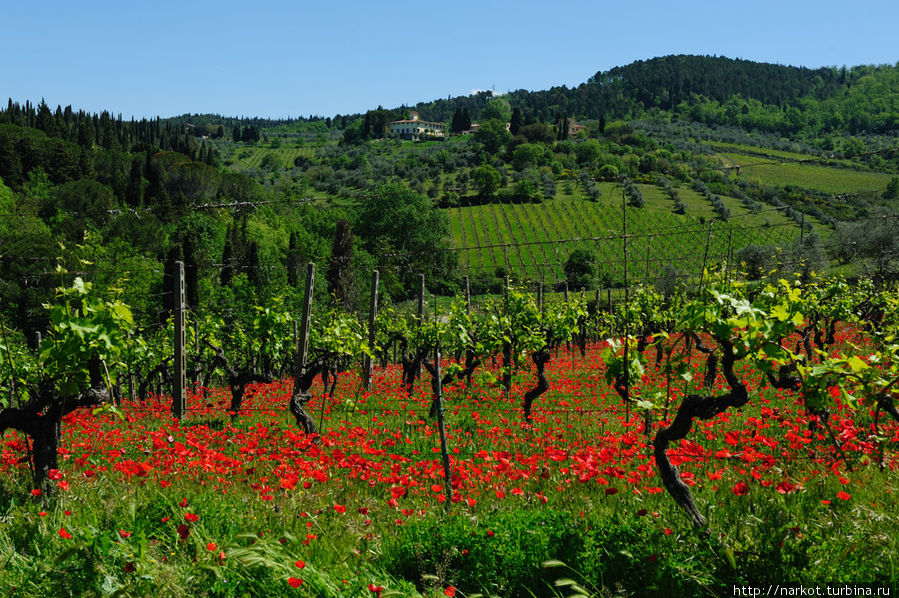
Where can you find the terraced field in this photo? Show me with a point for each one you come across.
(533, 241)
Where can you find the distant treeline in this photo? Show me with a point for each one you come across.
(718, 91)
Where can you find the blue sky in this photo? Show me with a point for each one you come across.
(278, 59)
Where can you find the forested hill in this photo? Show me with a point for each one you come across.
(714, 90)
(719, 91)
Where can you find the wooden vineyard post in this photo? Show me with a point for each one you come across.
(540, 297)
(566, 291)
(299, 366)
(130, 372)
(372, 314)
(196, 380)
(467, 296)
(441, 425)
(705, 256)
(507, 346)
(299, 395)
(421, 308)
(627, 331)
(611, 319)
(179, 380)
(729, 265)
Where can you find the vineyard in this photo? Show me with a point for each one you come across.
(533, 241)
(284, 157)
(669, 445)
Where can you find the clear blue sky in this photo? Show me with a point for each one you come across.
(278, 59)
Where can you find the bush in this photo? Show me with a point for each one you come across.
(580, 269)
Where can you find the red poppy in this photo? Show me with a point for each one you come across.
(64, 534)
(740, 489)
(294, 582)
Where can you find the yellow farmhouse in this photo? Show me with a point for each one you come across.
(414, 128)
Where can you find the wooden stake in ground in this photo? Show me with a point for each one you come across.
(372, 315)
(300, 396)
(444, 451)
(179, 381)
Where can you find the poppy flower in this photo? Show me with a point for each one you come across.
(64, 534)
(740, 489)
(294, 582)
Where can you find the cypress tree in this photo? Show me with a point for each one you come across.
(516, 121)
(227, 273)
(340, 274)
(191, 272)
(293, 260)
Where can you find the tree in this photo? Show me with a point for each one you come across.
(487, 179)
(409, 234)
(516, 122)
(580, 269)
(755, 260)
(340, 273)
(497, 109)
(538, 133)
(457, 125)
(493, 135)
(892, 190)
(563, 129)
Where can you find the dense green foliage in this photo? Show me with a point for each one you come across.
(715, 139)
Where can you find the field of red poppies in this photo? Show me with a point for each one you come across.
(567, 504)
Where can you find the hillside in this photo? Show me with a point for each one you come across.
(715, 168)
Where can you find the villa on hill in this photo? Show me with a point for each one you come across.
(415, 128)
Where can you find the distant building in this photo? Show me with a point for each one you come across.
(574, 128)
(415, 128)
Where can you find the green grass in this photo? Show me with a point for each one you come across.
(807, 176)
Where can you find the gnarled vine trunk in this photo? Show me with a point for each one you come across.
(540, 358)
(41, 419)
(300, 396)
(696, 407)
